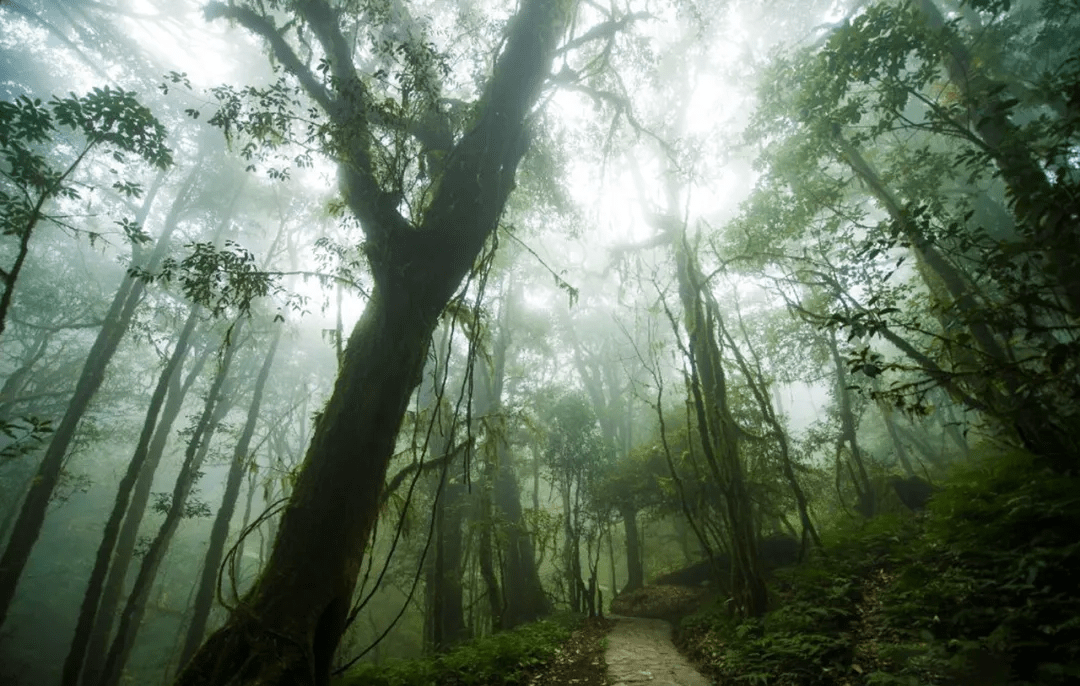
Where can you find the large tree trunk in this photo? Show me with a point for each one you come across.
(635, 570)
(525, 597)
(204, 597)
(286, 629)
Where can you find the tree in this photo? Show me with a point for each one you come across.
(522, 598)
(577, 456)
(104, 117)
(101, 120)
(950, 171)
(215, 406)
(286, 629)
(88, 612)
(238, 467)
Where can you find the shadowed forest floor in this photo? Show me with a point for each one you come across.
(620, 651)
(580, 660)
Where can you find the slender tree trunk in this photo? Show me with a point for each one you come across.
(32, 515)
(125, 545)
(611, 560)
(894, 437)
(131, 616)
(88, 613)
(215, 551)
(253, 483)
(756, 382)
(867, 503)
(634, 570)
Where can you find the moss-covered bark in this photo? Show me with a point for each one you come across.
(286, 629)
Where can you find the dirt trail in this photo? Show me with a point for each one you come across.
(640, 651)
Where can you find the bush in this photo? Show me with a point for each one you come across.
(503, 659)
(981, 590)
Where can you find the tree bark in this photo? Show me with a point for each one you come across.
(286, 629)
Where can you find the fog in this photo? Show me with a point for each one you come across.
(382, 326)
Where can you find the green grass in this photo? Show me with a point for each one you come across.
(502, 659)
(982, 590)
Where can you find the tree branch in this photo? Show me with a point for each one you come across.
(264, 27)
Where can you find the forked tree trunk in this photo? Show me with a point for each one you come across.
(286, 629)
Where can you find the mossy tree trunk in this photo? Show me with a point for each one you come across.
(286, 629)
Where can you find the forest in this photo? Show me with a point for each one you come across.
(417, 343)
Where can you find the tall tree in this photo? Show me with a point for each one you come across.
(88, 612)
(215, 406)
(215, 550)
(522, 598)
(127, 298)
(286, 630)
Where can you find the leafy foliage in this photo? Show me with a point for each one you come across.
(25, 434)
(894, 189)
(31, 138)
(215, 278)
(502, 659)
(981, 591)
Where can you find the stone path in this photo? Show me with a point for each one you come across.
(640, 651)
